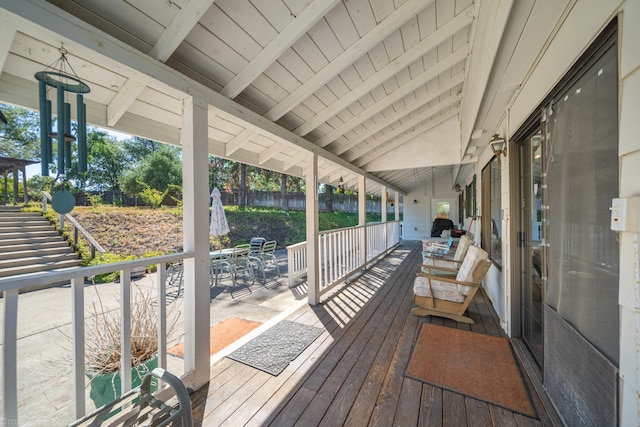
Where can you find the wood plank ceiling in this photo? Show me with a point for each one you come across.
(387, 88)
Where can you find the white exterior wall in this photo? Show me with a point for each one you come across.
(418, 217)
(583, 24)
(629, 151)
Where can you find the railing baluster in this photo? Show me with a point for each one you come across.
(125, 330)
(293, 267)
(340, 252)
(10, 357)
(161, 278)
(77, 324)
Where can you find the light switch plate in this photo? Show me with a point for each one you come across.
(625, 214)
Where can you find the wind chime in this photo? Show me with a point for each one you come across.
(57, 77)
(60, 79)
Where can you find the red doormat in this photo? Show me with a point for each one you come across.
(479, 366)
(221, 335)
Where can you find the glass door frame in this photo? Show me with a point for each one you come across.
(515, 206)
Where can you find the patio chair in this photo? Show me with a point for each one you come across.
(255, 246)
(437, 248)
(175, 280)
(220, 267)
(268, 257)
(449, 297)
(429, 261)
(140, 407)
(242, 264)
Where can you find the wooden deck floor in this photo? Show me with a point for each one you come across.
(353, 374)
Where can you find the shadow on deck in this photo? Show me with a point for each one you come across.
(353, 374)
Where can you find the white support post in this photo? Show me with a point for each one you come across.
(125, 330)
(10, 357)
(362, 219)
(383, 205)
(77, 322)
(383, 217)
(397, 206)
(194, 141)
(313, 259)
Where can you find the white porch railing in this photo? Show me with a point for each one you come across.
(11, 286)
(296, 261)
(340, 252)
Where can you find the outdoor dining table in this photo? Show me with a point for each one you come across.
(235, 261)
(220, 261)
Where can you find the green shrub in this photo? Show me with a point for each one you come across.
(108, 258)
(152, 196)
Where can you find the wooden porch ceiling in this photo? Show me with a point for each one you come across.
(353, 374)
(377, 87)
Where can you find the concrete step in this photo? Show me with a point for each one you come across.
(52, 234)
(26, 228)
(49, 260)
(36, 268)
(30, 253)
(23, 240)
(7, 208)
(32, 244)
(29, 215)
(24, 222)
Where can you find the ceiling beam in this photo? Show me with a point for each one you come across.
(276, 47)
(44, 20)
(269, 153)
(381, 31)
(239, 141)
(432, 41)
(387, 101)
(7, 33)
(407, 125)
(409, 108)
(180, 27)
(123, 100)
(489, 29)
(294, 160)
(398, 142)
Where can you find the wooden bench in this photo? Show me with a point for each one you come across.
(141, 408)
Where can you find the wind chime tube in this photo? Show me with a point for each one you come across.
(49, 139)
(82, 134)
(60, 103)
(67, 134)
(44, 130)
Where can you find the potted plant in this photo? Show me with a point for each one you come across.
(103, 346)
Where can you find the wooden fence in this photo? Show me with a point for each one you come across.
(262, 199)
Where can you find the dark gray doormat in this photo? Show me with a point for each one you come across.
(274, 349)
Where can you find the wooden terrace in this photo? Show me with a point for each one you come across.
(353, 374)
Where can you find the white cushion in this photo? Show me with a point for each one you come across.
(474, 256)
(438, 262)
(463, 246)
(441, 290)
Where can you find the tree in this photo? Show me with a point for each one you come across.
(139, 148)
(283, 192)
(162, 168)
(131, 182)
(20, 137)
(160, 171)
(328, 189)
(107, 161)
(242, 198)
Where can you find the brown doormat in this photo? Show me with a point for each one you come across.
(479, 366)
(221, 335)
